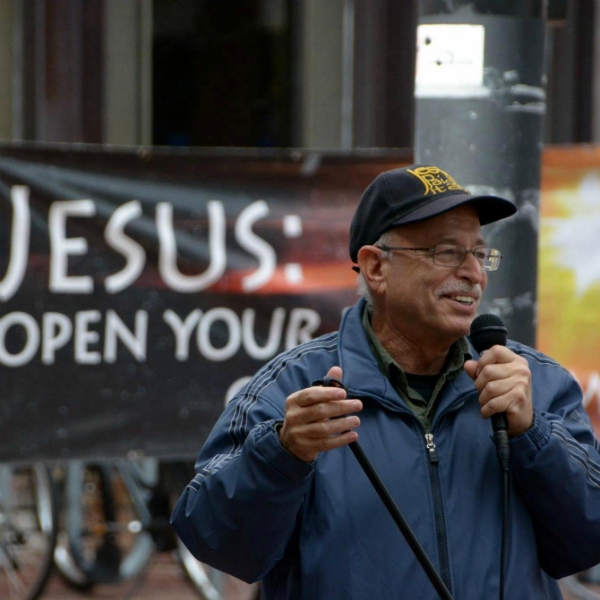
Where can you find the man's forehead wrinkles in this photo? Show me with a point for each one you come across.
(436, 235)
(455, 239)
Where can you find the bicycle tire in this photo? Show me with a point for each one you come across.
(28, 527)
(212, 584)
(106, 538)
(578, 589)
(209, 583)
(67, 567)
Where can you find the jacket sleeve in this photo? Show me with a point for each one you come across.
(556, 467)
(241, 508)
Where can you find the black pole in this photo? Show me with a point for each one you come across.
(403, 526)
(391, 505)
(482, 122)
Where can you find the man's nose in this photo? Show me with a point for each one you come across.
(471, 268)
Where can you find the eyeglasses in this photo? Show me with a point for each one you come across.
(452, 255)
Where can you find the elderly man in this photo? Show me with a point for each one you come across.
(278, 498)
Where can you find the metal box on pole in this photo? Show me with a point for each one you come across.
(479, 106)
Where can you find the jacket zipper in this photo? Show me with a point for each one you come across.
(440, 523)
(434, 479)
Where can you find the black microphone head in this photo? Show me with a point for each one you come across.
(487, 331)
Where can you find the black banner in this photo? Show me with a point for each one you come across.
(139, 289)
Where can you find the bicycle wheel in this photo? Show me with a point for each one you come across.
(583, 586)
(105, 516)
(27, 530)
(67, 568)
(210, 583)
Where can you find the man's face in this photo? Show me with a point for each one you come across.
(429, 302)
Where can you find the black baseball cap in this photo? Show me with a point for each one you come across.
(411, 194)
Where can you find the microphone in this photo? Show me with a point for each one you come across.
(487, 331)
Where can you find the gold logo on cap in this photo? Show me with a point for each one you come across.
(435, 180)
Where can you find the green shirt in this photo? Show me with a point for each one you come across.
(422, 407)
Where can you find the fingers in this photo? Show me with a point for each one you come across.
(335, 373)
(306, 442)
(470, 367)
(320, 403)
(318, 419)
(503, 380)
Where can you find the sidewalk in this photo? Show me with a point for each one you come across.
(164, 579)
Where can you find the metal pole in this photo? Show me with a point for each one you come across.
(347, 139)
(480, 102)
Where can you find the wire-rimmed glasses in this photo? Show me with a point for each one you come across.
(453, 255)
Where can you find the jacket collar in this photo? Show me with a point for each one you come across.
(361, 373)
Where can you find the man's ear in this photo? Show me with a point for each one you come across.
(372, 268)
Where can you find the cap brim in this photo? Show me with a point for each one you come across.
(489, 208)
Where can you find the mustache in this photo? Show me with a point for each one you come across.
(454, 287)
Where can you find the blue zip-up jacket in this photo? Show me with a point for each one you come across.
(319, 530)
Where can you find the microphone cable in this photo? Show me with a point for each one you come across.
(486, 331)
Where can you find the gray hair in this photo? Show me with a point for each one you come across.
(362, 287)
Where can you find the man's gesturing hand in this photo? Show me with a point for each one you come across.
(503, 380)
(315, 422)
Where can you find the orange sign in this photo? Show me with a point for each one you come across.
(569, 266)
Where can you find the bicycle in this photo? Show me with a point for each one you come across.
(116, 516)
(29, 528)
(28, 513)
